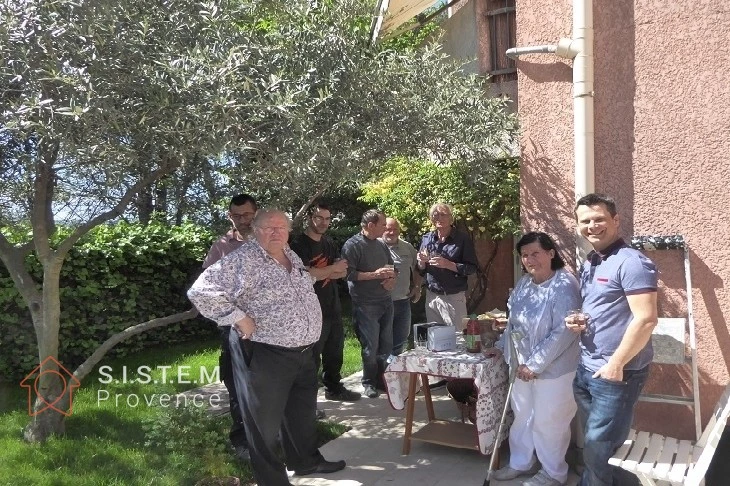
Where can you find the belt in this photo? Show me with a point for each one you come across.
(444, 292)
(296, 349)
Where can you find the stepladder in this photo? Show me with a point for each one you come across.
(674, 338)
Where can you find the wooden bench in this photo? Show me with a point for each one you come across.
(659, 460)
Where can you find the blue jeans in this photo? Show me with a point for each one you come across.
(606, 410)
(374, 329)
(401, 324)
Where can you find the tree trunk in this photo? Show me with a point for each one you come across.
(51, 387)
(55, 396)
(479, 290)
(47, 420)
(143, 203)
(160, 202)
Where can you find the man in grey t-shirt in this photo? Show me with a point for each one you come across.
(619, 290)
(407, 283)
(370, 279)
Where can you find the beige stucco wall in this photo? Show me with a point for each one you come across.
(662, 149)
(460, 37)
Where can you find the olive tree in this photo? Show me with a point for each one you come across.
(100, 99)
(104, 102)
(362, 104)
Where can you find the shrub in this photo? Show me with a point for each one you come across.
(116, 276)
(193, 435)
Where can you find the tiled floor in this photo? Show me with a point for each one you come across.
(372, 448)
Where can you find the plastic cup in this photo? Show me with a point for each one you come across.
(577, 319)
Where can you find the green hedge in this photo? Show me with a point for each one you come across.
(116, 276)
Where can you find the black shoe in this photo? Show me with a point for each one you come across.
(342, 395)
(323, 467)
(319, 414)
(370, 391)
(438, 384)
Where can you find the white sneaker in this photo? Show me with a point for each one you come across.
(542, 479)
(506, 473)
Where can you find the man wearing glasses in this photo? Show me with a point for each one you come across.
(241, 211)
(321, 256)
(447, 258)
(264, 291)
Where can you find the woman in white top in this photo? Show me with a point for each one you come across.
(548, 353)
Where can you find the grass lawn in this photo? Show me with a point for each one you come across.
(119, 434)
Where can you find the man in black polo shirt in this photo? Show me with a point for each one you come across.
(322, 258)
(446, 257)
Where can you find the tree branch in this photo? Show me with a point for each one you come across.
(300, 214)
(14, 260)
(117, 210)
(43, 185)
(117, 338)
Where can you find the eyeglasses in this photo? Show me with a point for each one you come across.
(320, 218)
(438, 214)
(270, 230)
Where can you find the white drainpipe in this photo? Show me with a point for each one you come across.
(516, 52)
(580, 49)
(584, 134)
(583, 97)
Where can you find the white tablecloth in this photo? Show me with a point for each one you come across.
(490, 376)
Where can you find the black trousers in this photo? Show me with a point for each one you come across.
(277, 388)
(237, 434)
(328, 351)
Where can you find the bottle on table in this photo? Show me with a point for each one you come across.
(472, 336)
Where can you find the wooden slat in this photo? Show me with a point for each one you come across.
(660, 398)
(667, 459)
(637, 452)
(656, 444)
(681, 462)
(453, 434)
(697, 470)
(664, 463)
(623, 451)
(710, 438)
(718, 420)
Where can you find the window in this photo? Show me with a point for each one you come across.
(502, 24)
